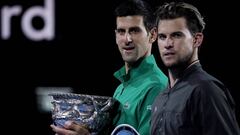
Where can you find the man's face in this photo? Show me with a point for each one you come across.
(132, 38)
(175, 42)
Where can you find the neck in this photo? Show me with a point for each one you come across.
(175, 73)
(172, 78)
(129, 65)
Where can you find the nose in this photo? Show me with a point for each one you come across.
(169, 43)
(128, 37)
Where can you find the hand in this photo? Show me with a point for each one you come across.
(70, 128)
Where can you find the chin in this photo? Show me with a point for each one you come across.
(168, 63)
(129, 59)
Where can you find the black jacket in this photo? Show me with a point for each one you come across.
(198, 104)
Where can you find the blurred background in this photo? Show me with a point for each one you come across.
(69, 46)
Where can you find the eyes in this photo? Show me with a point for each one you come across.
(134, 30)
(174, 35)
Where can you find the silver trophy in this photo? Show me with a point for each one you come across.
(91, 111)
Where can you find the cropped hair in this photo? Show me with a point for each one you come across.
(137, 7)
(173, 10)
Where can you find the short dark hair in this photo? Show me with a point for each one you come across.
(194, 19)
(137, 7)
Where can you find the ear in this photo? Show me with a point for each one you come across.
(153, 35)
(198, 39)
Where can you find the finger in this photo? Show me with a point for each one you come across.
(77, 127)
(61, 131)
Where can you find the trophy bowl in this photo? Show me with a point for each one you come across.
(91, 111)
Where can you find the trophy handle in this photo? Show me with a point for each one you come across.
(124, 129)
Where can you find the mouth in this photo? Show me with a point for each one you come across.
(169, 53)
(128, 48)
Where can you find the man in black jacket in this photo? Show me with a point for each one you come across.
(195, 103)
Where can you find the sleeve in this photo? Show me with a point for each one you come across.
(212, 110)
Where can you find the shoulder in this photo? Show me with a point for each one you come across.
(156, 81)
(204, 82)
(210, 89)
(118, 90)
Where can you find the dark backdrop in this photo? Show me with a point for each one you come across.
(83, 56)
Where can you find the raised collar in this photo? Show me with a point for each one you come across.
(141, 67)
